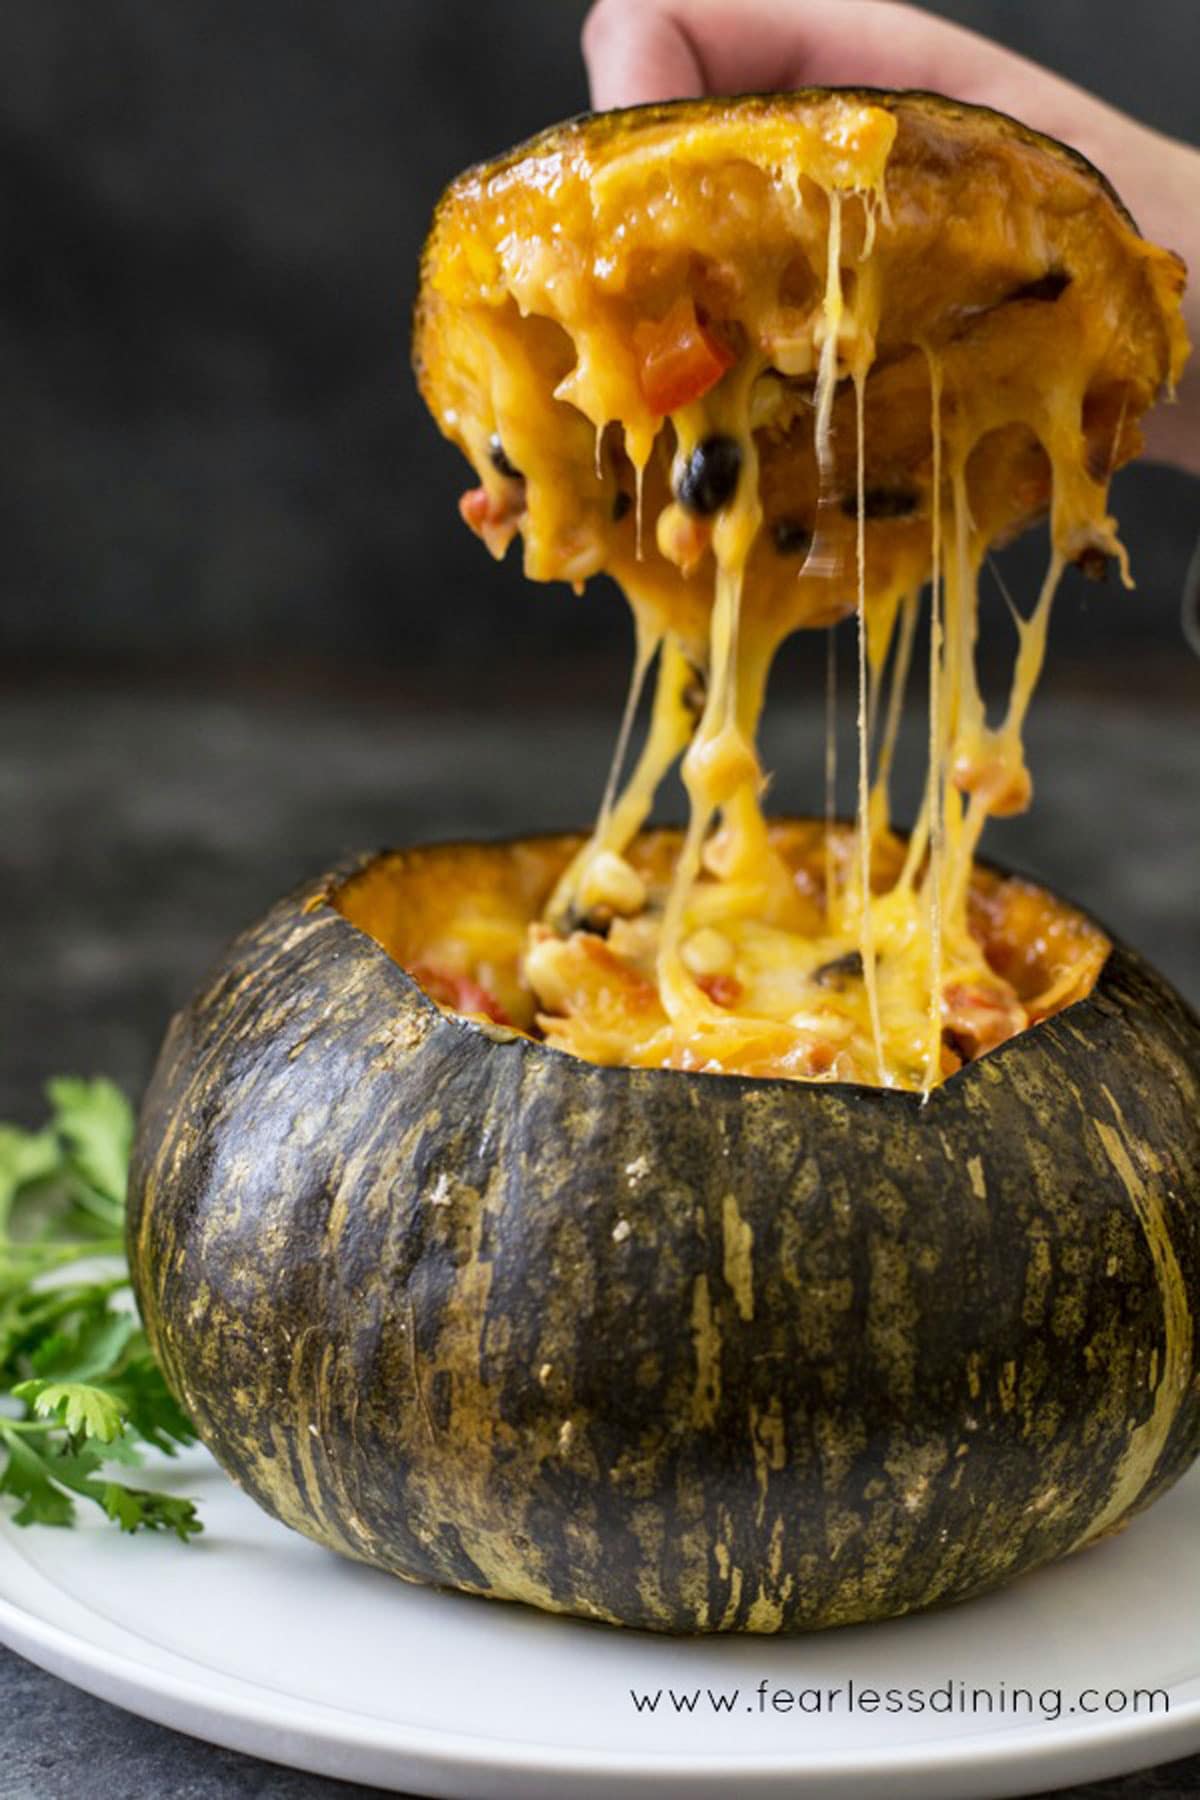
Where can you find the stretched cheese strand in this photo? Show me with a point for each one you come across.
(717, 763)
(621, 818)
(968, 721)
(881, 618)
(646, 644)
(962, 713)
(820, 558)
(720, 770)
(862, 821)
(920, 966)
(880, 803)
(965, 725)
(1031, 652)
(831, 761)
(823, 556)
(935, 778)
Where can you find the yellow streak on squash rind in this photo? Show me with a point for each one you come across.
(1147, 1441)
(738, 1239)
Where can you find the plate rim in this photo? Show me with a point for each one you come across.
(287, 1730)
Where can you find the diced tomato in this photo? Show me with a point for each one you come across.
(460, 993)
(722, 990)
(679, 358)
(492, 519)
(475, 507)
(977, 1018)
(636, 994)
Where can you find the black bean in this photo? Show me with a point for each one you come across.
(598, 921)
(791, 537)
(841, 969)
(1046, 287)
(621, 504)
(882, 503)
(710, 475)
(499, 459)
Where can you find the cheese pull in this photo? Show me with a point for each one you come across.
(770, 363)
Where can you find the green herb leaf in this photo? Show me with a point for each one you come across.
(92, 1345)
(86, 1411)
(138, 1509)
(94, 1121)
(150, 1409)
(74, 1360)
(27, 1478)
(27, 1158)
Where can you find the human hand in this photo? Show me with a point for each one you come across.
(643, 50)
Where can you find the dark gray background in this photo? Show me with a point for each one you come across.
(224, 518)
(213, 454)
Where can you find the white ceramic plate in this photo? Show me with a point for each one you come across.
(256, 1639)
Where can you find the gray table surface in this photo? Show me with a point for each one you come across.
(142, 829)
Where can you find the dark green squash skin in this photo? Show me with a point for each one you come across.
(854, 1355)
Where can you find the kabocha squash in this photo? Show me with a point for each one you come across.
(754, 1227)
(683, 1352)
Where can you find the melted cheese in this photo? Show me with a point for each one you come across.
(971, 337)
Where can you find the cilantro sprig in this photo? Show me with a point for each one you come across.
(80, 1391)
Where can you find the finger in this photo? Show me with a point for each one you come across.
(638, 50)
(637, 54)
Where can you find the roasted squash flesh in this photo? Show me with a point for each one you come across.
(466, 922)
